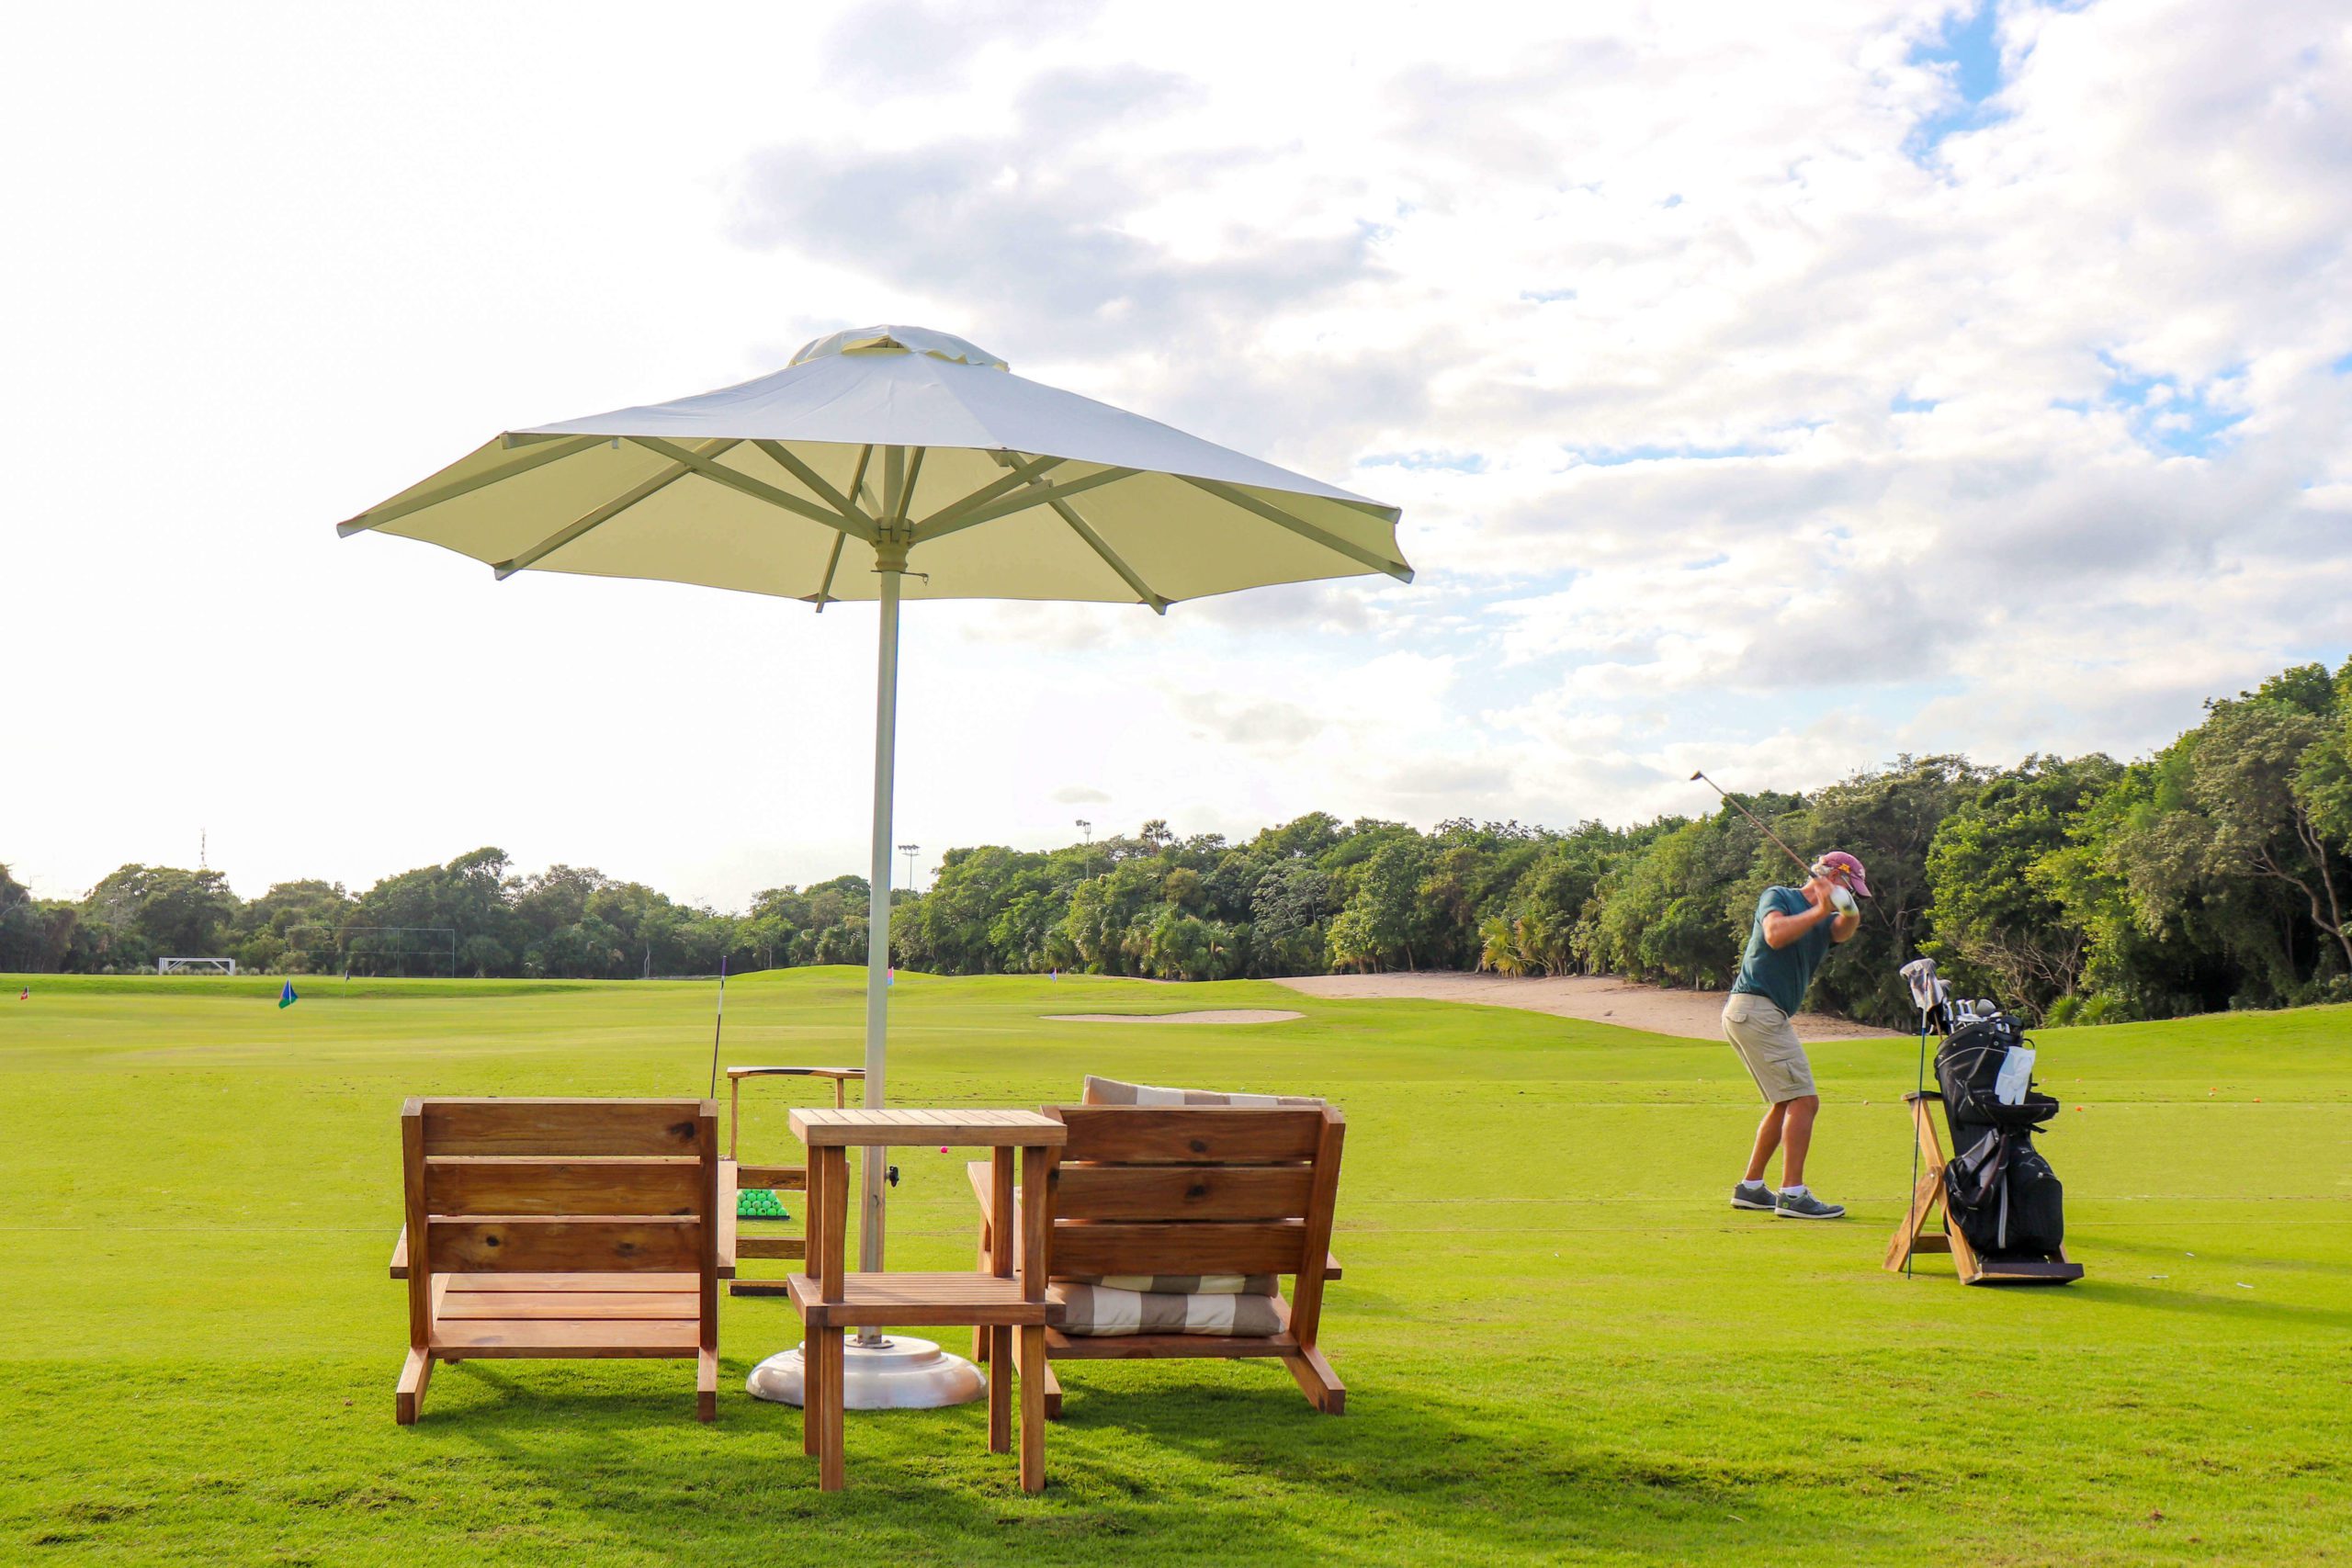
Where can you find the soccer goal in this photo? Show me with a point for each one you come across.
(196, 966)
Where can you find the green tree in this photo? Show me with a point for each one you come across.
(1996, 919)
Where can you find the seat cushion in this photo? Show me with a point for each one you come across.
(1100, 1310)
(1110, 1091)
(1179, 1284)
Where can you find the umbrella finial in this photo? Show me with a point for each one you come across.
(898, 340)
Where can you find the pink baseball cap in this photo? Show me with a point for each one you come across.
(1839, 863)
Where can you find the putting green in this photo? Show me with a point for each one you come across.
(1560, 1343)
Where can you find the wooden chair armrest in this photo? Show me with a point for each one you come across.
(399, 1254)
(1331, 1265)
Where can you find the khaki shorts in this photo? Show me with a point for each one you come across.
(1769, 1045)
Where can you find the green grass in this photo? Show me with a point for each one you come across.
(1560, 1344)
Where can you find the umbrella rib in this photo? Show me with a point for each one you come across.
(832, 564)
(1038, 494)
(605, 514)
(986, 494)
(383, 515)
(788, 460)
(1304, 529)
(758, 490)
(1095, 542)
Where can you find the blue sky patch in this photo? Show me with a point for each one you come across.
(1616, 456)
(2165, 416)
(1969, 48)
(1456, 462)
(1906, 403)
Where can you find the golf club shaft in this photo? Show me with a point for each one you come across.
(716, 1025)
(1759, 821)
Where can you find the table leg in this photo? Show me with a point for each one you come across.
(1033, 1409)
(1000, 1388)
(828, 1461)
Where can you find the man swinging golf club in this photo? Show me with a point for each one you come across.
(1793, 931)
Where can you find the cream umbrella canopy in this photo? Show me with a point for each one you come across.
(892, 463)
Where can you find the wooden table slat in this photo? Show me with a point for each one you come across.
(822, 1126)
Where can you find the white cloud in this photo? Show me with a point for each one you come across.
(1755, 397)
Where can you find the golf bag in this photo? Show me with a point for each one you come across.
(1997, 1189)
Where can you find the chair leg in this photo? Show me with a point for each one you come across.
(1033, 1409)
(706, 1386)
(1317, 1381)
(986, 1264)
(1000, 1387)
(829, 1459)
(812, 1394)
(415, 1373)
(1053, 1385)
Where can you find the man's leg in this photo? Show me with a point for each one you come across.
(1796, 1138)
(1767, 1138)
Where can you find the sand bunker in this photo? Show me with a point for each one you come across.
(1213, 1015)
(1599, 999)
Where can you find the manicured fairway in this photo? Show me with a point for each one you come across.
(1560, 1344)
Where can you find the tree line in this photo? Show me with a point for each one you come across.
(2214, 873)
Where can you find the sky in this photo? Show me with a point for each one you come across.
(1771, 389)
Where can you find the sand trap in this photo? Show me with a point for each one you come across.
(1213, 1015)
(1599, 999)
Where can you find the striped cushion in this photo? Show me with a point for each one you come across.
(1179, 1284)
(1099, 1310)
(1110, 1091)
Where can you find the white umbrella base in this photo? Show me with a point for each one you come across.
(894, 1374)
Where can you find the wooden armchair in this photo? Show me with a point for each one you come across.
(560, 1228)
(1150, 1204)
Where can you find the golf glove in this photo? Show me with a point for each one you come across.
(1842, 900)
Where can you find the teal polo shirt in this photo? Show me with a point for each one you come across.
(1780, 974)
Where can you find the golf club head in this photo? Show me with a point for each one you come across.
(1926, 989)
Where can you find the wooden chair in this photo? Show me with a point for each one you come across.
(560, 1228)
(1912, 1236)
(735, 1179)
(1185, 1191)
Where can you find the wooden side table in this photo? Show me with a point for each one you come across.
(831, 1301)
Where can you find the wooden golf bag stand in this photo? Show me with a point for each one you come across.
(1912, 1235)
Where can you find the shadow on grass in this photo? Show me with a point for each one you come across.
(2199, 1304)
(1194, 1462)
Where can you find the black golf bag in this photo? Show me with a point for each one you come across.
(1997, 1187)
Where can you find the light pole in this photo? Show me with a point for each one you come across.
(1088, 827)
(910, 850)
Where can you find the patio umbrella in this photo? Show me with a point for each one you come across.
(892, 463)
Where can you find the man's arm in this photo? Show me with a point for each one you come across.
(1779, 930)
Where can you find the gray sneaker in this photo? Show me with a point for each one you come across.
(1805, 1206)
(1753, 1195)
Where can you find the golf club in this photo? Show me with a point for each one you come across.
(1925, 991)
(1757, 821)
(1807, 865)
(716, 1024)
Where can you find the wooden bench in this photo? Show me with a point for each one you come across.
(1191, 1190)
(560, 1228)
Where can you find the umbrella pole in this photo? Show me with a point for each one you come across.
(878, 921)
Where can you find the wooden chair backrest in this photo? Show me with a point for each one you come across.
(1198, 1190)
(560, 1186)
